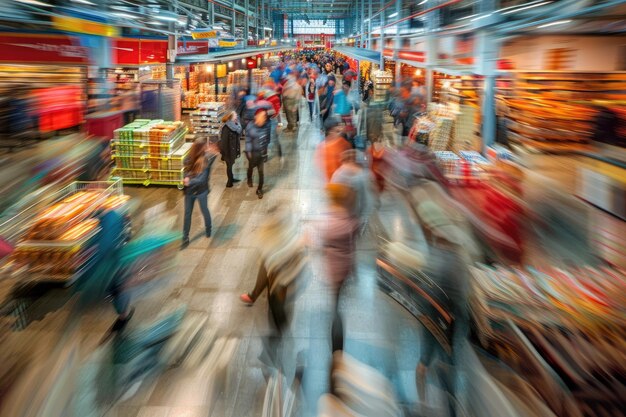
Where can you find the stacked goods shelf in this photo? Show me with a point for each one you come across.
(382, 84)
(60, 243)
(259, 77)
(207, 121)
(554, 110)
(239, 77)
(150, 152)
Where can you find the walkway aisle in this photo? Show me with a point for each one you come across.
(214, 272)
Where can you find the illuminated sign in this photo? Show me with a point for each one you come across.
(221, 70)
(87, 27)
(274, 42)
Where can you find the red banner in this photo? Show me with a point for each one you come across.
(129, 51)
(49, 49)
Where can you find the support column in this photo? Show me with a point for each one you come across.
(362, 37)
(172, 43)
(432, 53)
(487, 52)
(247, 23)
(233, 22)
(369, 25)
(211, 14)
(382, 39)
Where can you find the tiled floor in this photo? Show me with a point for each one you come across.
(213, 272)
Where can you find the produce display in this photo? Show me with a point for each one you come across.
(150, 152)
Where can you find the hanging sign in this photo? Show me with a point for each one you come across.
(86, 27)
(274, 42)
(251, 63)
(205, 34)
(226, 43)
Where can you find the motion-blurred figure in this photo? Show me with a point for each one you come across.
(292, 93)
(283, 262)
(328, 154)
(356, 175)
(446, 267)
(338, 235)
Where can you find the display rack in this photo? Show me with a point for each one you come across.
(39, 99)
(553, 110)
(59, 244)
(382, 84)
(207, 121)
(161, 99)
(150, 152)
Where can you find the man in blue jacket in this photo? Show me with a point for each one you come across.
(258, 133)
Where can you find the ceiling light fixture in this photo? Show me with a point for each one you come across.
(467, 17)
(84, 2)
(422, 2)
(124, 15)
(560, 22)
(393, 15)
(481, 17)
(527, 7)
(167, 18)
(519, 5)
(34, 3)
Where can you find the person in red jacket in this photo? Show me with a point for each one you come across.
(270, 95)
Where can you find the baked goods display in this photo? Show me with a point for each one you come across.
(61, 239)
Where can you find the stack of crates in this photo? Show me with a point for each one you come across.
(207, 120)
(150, 152)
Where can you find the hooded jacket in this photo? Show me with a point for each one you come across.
(257, 137)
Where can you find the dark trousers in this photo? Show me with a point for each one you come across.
(311, 108)
(255, 160)
(202, 199)
(291, 110)
(229, 171)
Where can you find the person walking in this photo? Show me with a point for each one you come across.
(338, 240)
(329, 151)
(258, 133)
(229, 144)
(197, 173)
(311, 94)
(283, 264)
(292, 94)
(354, 174)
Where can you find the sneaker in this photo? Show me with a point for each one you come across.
(245, 298)
(229, 185)
(207, 233)
(250, 184)
(184, 244)
(280, 125)
(259, 194)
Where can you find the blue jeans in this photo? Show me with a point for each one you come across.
(204, 208)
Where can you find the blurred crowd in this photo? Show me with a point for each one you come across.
(372, 169)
